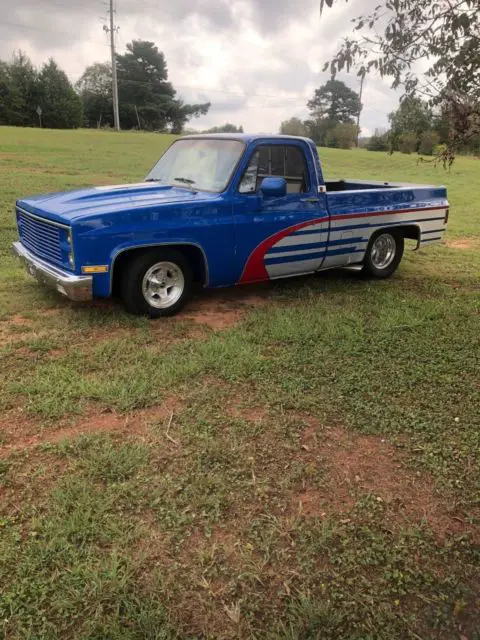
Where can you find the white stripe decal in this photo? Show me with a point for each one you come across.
(315, 227)
(292, 239)
(387, 217)
(287, 268)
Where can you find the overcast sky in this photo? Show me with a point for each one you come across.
(256, 61)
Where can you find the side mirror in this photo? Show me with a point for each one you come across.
(273, 187)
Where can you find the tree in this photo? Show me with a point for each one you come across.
(23, 91)
(413, 117)
(95, 89)
(336, 102)
(399, 33)
(61, 106)
(294, 127)
(11, 101)
(146, 96)
(225, 128)
(332, 104)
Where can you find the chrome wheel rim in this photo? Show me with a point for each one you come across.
(163, 285)
(383, 250)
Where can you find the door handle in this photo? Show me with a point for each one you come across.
(312, 200)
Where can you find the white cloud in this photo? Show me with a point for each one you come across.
(257, 61)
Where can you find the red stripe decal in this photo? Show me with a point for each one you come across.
(254, 270)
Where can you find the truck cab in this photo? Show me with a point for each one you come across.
(221, 210)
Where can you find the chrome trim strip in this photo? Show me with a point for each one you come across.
(78, 288)
(380, 185)
(160, 244)
(44, 220)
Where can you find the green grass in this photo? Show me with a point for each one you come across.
(317, 475)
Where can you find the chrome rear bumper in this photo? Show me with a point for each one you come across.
(78, 288)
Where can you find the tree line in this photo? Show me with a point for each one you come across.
(415, 127)
(392, 37)
(46, 97)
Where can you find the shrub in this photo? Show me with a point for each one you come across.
(379, 142)
(342, 136)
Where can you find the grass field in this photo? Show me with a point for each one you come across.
(297, 460)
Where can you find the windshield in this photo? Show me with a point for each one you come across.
(201, 164)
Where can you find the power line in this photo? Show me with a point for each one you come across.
(55, 3)
(41, 29)
(225, 91)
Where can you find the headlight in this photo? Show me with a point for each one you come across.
(71, 257)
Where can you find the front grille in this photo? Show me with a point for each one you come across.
(41, 237)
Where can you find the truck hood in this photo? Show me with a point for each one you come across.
(85, 203)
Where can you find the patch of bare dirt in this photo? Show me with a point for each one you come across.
(250, 414)
(461, 243)
(358, 464)
(224, 308)
(19, 433)
(13, 329)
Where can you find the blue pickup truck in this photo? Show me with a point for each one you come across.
(219, 210)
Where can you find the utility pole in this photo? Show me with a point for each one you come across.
(112, 30)
(360, 97)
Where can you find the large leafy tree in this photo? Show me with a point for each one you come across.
(61, 106)
(146, 96)
(95, 89)
(398, 34)
(335, 102)
(332, 104)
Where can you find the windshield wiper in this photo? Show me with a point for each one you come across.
(184, 180)
(154, 180)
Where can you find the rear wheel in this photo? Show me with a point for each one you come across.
(384, 254)
(157, 283)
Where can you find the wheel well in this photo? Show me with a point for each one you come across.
(410, 231)
(194, 255)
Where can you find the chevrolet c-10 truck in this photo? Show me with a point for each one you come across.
(220, 210)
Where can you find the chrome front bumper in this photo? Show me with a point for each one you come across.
(78, 288)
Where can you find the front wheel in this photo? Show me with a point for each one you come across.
(384, 253)
(157, 283)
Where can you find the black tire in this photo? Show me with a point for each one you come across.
(371, 268)
(132, 282)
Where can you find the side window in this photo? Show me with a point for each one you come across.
(286, 161)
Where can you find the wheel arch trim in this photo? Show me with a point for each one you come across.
(152, 245)
(401, 227)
